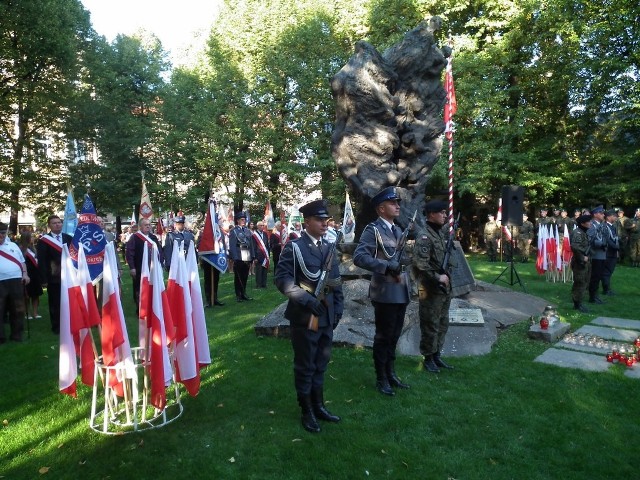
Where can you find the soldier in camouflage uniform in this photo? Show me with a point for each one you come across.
(491, 236)
(623, 235)
(633, 230)
(434, 288)
(581, 261)
(525, 236)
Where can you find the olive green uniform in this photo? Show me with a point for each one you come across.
(428, 255)
(632, 226)
(525, 236)
(491, 236)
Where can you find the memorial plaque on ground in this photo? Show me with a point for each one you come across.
(466, 316)
(462, 281)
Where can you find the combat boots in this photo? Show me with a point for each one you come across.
(394, 380)
(430, 365)
(437, 359)
(581, 308)
(319, 409)
(308, 418)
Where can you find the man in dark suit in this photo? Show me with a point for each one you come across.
(242, 252)
(134, 252)
(49, 257)
(261, 240)
(299, 271)
(389, 287)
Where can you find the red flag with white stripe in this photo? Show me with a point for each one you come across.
(197, 309)
(91, 319)
(187, 371)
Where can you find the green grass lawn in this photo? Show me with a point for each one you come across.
(498, 416)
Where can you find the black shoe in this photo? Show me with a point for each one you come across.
(218, 304)
(596, 300)
(610, 293)
(244, 297)
(319, 409)
(429, 365)
(581, 308)
(437, 359)
(309, 422)
(395, 381)
(384, 388)
(239, 299)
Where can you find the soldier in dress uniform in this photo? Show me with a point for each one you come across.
(434, 286)
(242, 251)
(299, 270)
(389, 287)
(49, 258)
(491, 236)
(525, 236)
(179, 234)
(580, 261)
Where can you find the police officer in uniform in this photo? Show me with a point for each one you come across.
(179, 234)
(299, 270)
(598, 238)
(581, 261)
(613, 247)
(389, 287)
(434, 288)
(242, 251)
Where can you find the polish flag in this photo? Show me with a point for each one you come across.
(197, 309)
(566, 246)
(91, 319)
(68, 366)
(187, 371)
(541, 260)
(116, 350)
(145, 305)
(160, 321)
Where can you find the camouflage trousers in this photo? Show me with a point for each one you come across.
(634, 250)
(581, 278)
(433, 310)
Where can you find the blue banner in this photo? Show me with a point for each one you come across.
(70, 221)
(91, 237)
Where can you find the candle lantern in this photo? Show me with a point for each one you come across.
(549, 313)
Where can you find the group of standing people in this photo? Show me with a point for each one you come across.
(303, 265)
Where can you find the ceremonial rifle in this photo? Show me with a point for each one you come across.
(402, 243)
(447, 255)
(324, 282)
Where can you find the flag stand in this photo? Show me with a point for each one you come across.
(512, 269)
(133, 413)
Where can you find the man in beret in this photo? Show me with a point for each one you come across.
(580, 261)
(389, 287)
(302, 263)
(598, 238)
(13, 277)
(242, 251)
(434, 285)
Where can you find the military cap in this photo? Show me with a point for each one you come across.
(317, 208)
(491, 215)
(179, 219)
(598, 209)
(383, 195)
(564, 210)
(3, 227)
(240, 215)
(610, 212)
(584, 219)
(435, 206)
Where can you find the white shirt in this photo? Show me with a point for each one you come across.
(8, 269)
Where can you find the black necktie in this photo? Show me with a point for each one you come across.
(58, 237)
(393, 231)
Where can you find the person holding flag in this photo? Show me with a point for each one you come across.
(213, 256)
(49, 258)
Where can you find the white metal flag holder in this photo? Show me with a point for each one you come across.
(133, 413)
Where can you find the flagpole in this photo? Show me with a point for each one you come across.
(449, 111)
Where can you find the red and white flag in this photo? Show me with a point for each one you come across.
(567, 253)
(116, 350)
(161, 329)
(68, 366)
(197, 309)
(91, 319)
(268, 216)
(187, 371)
(451, 106)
